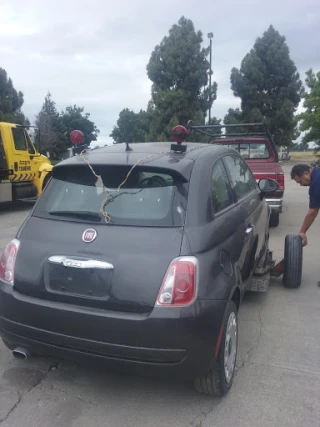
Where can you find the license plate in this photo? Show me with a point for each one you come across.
(89, 283)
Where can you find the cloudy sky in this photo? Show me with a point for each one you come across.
(94, 53)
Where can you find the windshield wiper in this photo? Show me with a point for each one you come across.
(92, 216)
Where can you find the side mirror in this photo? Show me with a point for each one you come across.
(267, 185)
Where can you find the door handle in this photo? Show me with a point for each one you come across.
(249, 229)
(78, 263)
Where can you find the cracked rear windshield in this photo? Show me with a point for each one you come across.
(149, 197)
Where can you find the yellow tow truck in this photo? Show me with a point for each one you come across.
(24, 172)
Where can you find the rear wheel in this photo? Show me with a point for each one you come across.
(274, 219)
(218, 380)
(292, 261)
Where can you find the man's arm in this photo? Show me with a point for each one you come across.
(308, 220)
(314, 205)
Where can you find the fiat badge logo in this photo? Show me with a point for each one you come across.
(89, 235)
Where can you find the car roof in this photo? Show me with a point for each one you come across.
(154, 154)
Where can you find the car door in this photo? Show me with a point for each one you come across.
(34, 156)
(25, 162)
(223, 210)
(251, 210)
(21, 157)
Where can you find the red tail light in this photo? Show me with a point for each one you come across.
(179, 284)
(280, 180)
(8, 260)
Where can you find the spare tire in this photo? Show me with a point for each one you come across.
(292, 261)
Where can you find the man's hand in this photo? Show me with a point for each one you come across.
(308, 220)
(304, 239)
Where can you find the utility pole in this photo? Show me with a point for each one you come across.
(210, 37)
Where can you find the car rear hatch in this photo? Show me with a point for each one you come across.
(69, 253)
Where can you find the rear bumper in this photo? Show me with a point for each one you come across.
(275, 204)
(178, 342)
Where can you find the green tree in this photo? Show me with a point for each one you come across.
(299, 147)
(310, 118)
(51, 130)
(74, 118)
(268, 85)
(55, 127)
(11, 101)
(235, 116)
(131, 126)
(178, 69)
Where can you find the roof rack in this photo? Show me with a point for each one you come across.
(205, 129)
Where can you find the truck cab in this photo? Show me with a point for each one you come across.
(24, 171)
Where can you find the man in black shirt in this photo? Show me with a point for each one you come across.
(308, 177)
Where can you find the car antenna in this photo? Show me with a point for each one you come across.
(128, 148)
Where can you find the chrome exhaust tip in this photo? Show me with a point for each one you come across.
(21, 353)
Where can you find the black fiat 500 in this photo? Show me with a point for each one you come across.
(138, 257)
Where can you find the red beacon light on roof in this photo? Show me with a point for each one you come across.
(77, 140)
(77, 137)
(179, 135)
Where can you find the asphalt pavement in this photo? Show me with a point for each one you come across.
(277, 382)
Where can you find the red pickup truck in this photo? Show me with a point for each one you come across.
(260, 153)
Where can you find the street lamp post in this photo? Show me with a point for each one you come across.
(210, 37)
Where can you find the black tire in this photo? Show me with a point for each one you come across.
(274, 219)
(292, 261)
(8, 345)
(214, 382)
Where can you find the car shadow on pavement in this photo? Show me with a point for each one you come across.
(102, 392)
(16, 207)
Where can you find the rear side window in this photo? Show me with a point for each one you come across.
(220, 188)
(147, 198)
(241, 176)
(19, 139)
